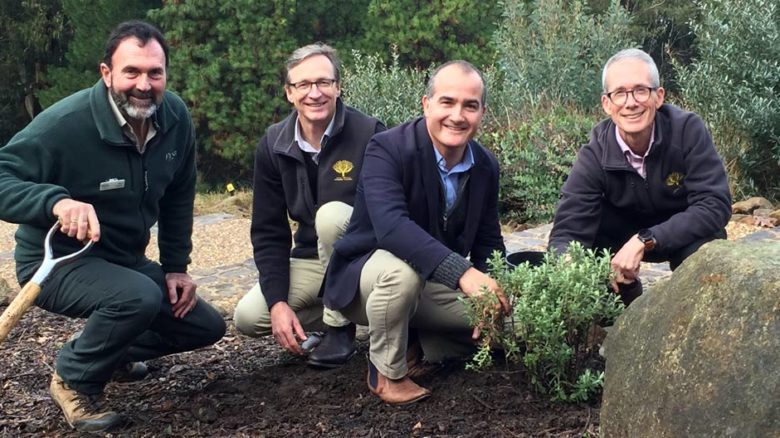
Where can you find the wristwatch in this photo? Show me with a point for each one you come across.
(646, 236)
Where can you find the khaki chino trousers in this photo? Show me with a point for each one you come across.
(393, 297)
(252, 316)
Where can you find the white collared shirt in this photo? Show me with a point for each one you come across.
(305, 146)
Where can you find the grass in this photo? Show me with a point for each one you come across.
(238, 204)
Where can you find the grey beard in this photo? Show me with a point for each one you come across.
(133, 111)
(138, 113)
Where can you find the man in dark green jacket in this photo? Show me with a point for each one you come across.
(649, 185)
(108, 163)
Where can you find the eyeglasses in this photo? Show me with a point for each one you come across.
(305, 86)
(640, 95)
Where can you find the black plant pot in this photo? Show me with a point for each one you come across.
(535, 258)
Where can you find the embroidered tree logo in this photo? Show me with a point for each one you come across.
(674, 180)
(343, 167)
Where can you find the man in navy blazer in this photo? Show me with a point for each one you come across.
(427, 199)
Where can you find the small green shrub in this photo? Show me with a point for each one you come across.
(535, 154)
(432, 31)
(555, 308)
(554, 50)
(390, 93)
(734, 84)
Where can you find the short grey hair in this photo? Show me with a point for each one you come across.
(640, 55)
(466, 67)
(301, 53)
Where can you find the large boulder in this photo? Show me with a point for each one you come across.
(699, 354)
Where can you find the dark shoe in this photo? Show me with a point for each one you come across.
(82, 412)
(630, 292)
(336, 348)
(396, 392)
(416, 366)
(131, 372)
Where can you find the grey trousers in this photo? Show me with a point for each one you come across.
(252, 316)
(393, 297)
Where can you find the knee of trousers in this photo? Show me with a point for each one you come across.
(404, 283)
(331, 221)
(142, 305)
(252, 320)
(214, 328)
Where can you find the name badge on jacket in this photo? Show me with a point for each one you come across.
(112, 184)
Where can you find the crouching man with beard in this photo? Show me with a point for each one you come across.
(109, 162)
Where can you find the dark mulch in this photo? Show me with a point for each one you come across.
(249, 387)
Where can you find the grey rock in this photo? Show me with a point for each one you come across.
(747, 206)
(699, 354)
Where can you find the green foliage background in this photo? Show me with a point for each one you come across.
(734, 84)
(32, 37)
(542, 60)
(238, 47)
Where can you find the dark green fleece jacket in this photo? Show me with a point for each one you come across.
(76, 149)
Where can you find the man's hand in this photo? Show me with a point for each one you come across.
(285, 327)
(77, 219)
(626, 262)
(181, 293)
(472, 282)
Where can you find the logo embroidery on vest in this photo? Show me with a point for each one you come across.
(343, 167)
(170, 156)
(674, 180)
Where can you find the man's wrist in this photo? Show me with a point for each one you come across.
(450, 270)
(647, 238)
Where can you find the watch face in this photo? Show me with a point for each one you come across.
(646, 237)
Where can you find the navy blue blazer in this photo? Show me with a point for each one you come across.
(397, 206)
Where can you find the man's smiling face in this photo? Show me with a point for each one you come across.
(454, 111)
(633, 118)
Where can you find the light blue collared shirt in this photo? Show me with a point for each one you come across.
(450, 178)
(305, 146)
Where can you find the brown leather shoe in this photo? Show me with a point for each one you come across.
(82, 412)
(396, 392)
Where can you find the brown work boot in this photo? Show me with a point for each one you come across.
(83, 412)
(397, 392)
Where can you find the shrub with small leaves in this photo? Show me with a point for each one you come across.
(555, 308)
(535, 153)
(390, 93)
(734, 85)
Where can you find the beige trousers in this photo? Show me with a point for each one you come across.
(252, 316)
(393, 297)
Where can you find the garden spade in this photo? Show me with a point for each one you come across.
(30, 291)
